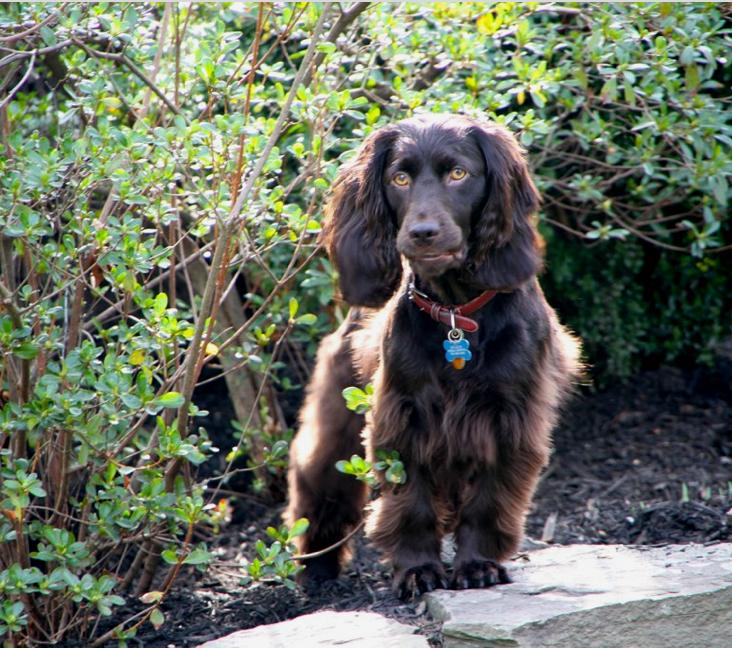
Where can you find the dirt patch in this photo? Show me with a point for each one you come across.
(649, 462)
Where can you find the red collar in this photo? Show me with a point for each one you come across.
(454, 316)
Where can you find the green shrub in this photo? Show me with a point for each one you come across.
(625, 112)
(162, 173)
(121, 244)
(637, 306)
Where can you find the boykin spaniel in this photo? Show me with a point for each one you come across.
(431, 230)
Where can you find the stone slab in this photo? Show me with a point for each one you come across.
(326, 629)
(595, 596)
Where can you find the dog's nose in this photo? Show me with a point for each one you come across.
(423, 232)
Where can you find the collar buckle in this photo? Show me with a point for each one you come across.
(456, 317)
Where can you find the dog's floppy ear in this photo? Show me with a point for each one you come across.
(506, 249)
(360, 229)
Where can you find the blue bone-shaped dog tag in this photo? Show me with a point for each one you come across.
(457, 352)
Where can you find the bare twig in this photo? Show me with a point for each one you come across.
(48, 20)
(20, 83)
(158, 58)
(227, 228)
(20, 55)
(339, 26)
(335, 545)
(158, 279)
(124, 60)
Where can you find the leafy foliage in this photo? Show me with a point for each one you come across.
(387, 462)
(359, 400)
(111, 187)
(275, 562)
(162, 172)
(625, 111)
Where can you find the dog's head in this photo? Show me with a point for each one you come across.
(448, 193)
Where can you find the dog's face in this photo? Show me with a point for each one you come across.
(448, 193)
(435, 185)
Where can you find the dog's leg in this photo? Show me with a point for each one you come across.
(491, 520)
(405, 526)
(406, 522)
(331, 501)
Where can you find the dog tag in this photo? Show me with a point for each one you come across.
(457, 348)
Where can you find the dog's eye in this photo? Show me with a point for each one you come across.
(400, 179)
(458, 173)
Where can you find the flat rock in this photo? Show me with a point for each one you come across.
(350, 629)
(603, 596)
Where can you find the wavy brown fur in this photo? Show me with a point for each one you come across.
(473, 442)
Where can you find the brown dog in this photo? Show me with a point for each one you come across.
(430, 228)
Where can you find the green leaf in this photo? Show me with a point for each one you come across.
(279, 449)
(157, 618)
(199, 556)
(171, 399)
(326, 48)
(359, 463)
(299, 527)
(344, 467)
(113, 599)
(720, 189)
(26, 350)
(161, 303)
(687, 56)
(357, 399)
(170, 556)
(308, 319)
(36, 490)
(691, 77)
(628, 92)
(609, 90)
(151, 597)
(137, 357)
(373, 115)
(131, 401)
(48, 35)
(538, 97)
(395, 473)
(581, 77)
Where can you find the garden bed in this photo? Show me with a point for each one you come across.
(649, 462)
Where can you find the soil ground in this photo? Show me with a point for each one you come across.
(648, 462)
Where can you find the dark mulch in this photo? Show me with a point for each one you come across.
(649, 462)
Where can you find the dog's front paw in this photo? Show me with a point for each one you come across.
(479, 573)
(415, 581)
